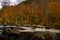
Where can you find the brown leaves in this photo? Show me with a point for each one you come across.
(28, 10)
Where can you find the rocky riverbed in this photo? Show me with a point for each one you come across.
(31, 36)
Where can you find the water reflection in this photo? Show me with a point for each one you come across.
(29, 36)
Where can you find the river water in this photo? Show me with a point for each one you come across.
(22, 36)
(26, 35)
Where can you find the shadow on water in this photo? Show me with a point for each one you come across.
(22, 36)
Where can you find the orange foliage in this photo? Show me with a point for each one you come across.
(28, 10)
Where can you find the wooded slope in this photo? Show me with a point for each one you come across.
(43, 12)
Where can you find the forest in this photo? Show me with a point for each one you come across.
(41, 12)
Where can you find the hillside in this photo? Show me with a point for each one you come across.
(43, 12)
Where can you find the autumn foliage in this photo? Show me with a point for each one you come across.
(32, 12)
